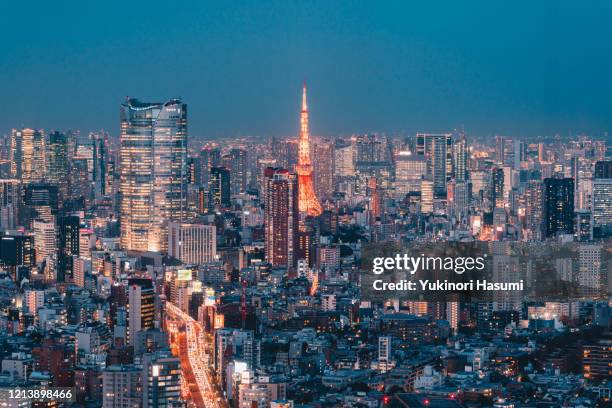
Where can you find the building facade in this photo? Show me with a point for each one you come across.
(153, 158)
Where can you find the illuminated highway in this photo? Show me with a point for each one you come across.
(192, 349)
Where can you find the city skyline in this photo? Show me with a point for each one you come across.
(396, 234)
(538, 69)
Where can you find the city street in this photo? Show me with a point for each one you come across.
(191, 345)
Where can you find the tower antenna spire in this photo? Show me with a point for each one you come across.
(304, 104)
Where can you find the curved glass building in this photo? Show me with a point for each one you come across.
(153, 183)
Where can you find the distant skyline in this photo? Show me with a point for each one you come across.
(520, 69)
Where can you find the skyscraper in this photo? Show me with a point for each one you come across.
(209, 157)
(427, 196)
(497, 188)
(435, 149)
(219, 188)
(17, 248)
(43, 199)
(603, 169)
(344, 158)
(602, 201)
(121, 386)
(161, 376)
(533, 208)
(141, 303)
(238, 170)
(58, 164)
(192, 243)
(371, 149)
(584, 226)
(558, 206)
(589, 276)
(280, 216)
(308, 201)
(100, 159)
(153, 159)
(409, 170)
(10, 203)
(460, 157)
(505, 150)
(323, 163)
(28, 155)
(68, 243)
(45, 242)
(285, 153)
(384, 353)
(596, 360)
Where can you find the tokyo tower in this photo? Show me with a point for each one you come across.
(307, 199)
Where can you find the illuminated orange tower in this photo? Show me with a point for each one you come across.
(307, 198)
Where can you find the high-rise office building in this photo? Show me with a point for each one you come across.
(161, 380)
(459, 202)
(409, 170)
(33, 300)
(280, 216)
(323, 167)
(305, 247)
(100, 160)
(10, 203)
(238, 169)
(122, 386)
(371, 149)
(460, 156)
(344, 158)
(533, 208)
(584, 225)
(219, 188)
(181, 290)
(45, 243)
(558, 207)
(153, 181)
(58, 164)
(603, 169)
(42, 201)
(497, 188)
(384, 353)
(508, 151)
(192, 242)
(209, 157)
(87, 242)
(435, 148)
(427, 196)
(602, 201)
(286, 153)
(596, 359)
(68, 243)
(28, 154)
(141, 306)
(252, 394)
(80, 266)
(16, 249)
(589, 276)
(194, 172)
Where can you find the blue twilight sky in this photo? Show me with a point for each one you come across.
(520, 68)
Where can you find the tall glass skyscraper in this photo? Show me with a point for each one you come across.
(28, 158)
(153, 174)
(435, 148)
(558, 206)
(58, 164)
